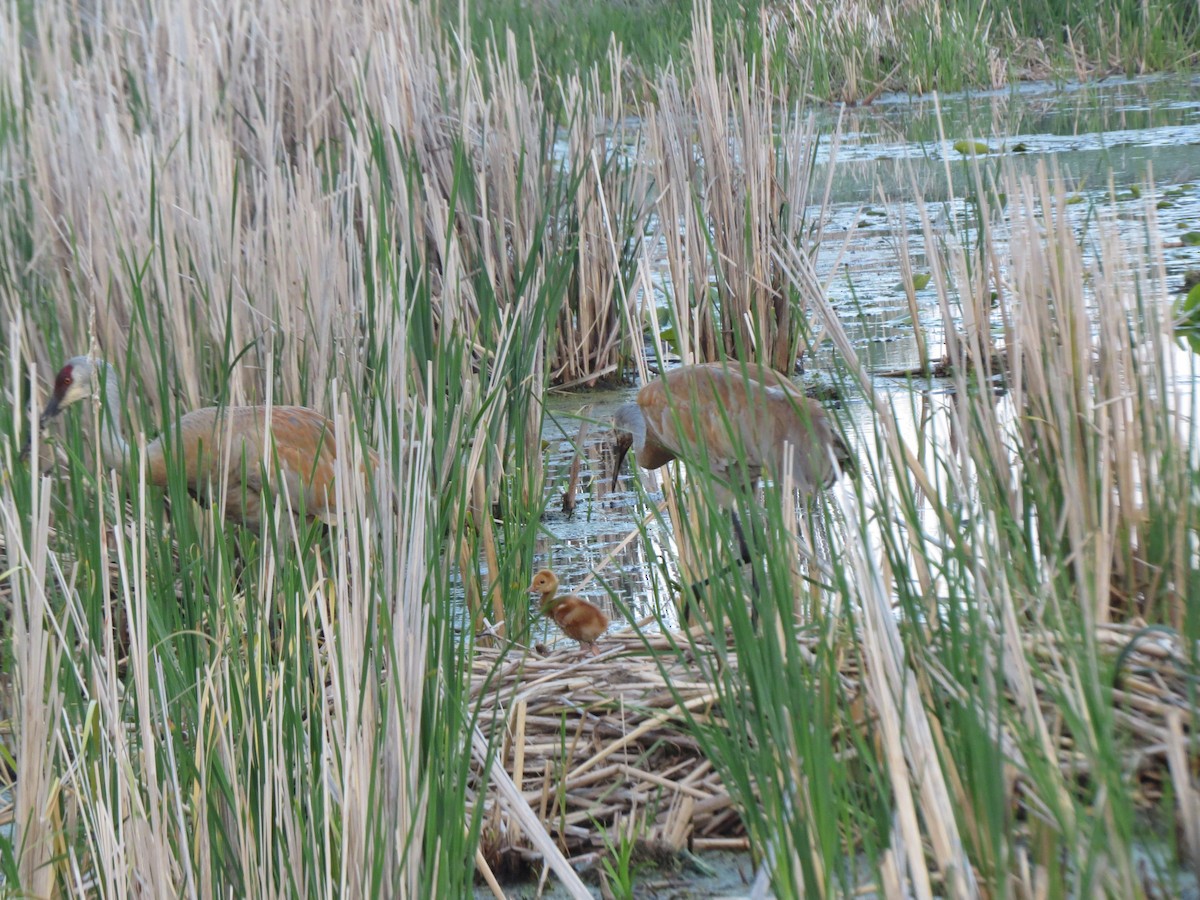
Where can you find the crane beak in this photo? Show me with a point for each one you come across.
(624, 442)
(53, 408)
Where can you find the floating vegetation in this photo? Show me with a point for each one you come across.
(971, 148)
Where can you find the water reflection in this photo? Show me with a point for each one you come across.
(602, 535)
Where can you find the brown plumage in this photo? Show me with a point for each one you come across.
(711, 414)
(223, 448)
(738, 426)
(577, 618)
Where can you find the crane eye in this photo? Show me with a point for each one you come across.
(63, 381)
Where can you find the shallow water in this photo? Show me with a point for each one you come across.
(1126, 127)
(713, 875)
(1121, 131)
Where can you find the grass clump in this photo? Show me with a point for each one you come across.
(850, 50)
(288, 711)
(556, 39)
(957, 723)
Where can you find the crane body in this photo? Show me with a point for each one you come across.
(739, 427)
(239, 452)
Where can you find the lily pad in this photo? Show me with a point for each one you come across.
(672, 339)
(919, 282)
(1190, 238)
(1187, 319)
(970, 148)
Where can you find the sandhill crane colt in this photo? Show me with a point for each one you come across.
(577, 618)
(738, 426)
(222, 448)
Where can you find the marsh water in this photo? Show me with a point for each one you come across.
(1103, 138)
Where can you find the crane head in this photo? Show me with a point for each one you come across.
(78, 379)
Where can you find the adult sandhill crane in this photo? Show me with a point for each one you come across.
(577, 618)
(222, 448)
(711, 413)
(737, 425)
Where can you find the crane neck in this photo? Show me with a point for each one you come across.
(112, 441)
(628, 417)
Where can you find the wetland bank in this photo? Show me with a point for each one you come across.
(974, 668)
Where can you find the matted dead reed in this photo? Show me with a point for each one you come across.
(597, 743)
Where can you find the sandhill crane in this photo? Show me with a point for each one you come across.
(710, 412)
(223, 449)
(575, 616)
(737, 425)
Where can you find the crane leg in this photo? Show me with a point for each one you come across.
(744, 550)
(741, 539)
(741, 536)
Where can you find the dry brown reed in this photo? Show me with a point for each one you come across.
(734, 185)
(217, 194)
(607, 217)
(850, 39)
(36, 661)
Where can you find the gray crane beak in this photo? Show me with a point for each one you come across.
(52, 409)
(624, 442)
